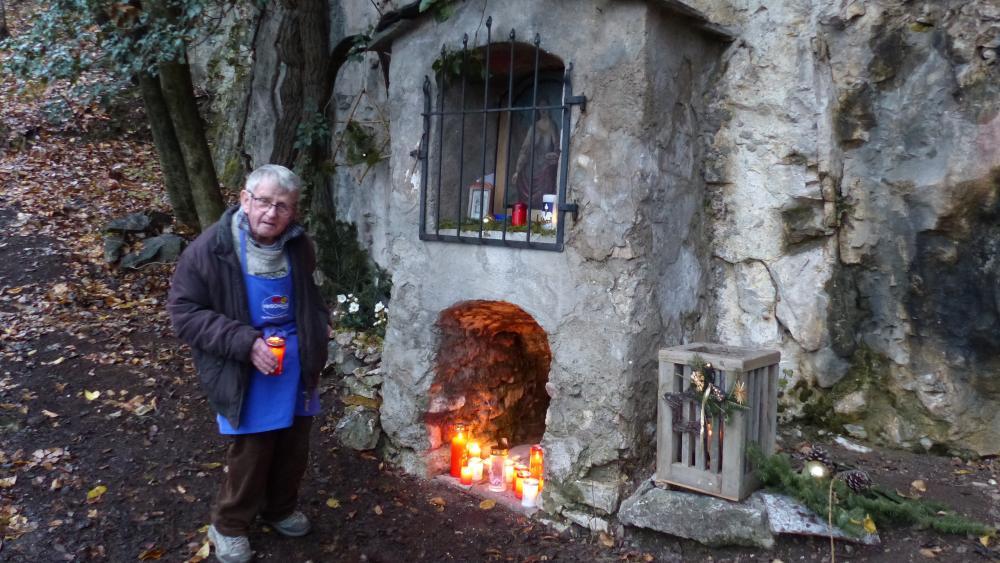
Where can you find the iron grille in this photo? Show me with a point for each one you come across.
(448, 210)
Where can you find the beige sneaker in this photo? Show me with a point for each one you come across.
(230, 549)
(294, 525)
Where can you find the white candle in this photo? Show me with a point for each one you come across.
(529, 492)
(476, 465)
(508, 472)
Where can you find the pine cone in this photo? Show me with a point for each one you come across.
(819, 453)
(857, 480)
(717, 394)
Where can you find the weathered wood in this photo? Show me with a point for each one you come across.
(716, 462)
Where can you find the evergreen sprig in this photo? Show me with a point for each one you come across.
(718, 402)
(850, 509)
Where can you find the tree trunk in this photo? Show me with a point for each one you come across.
(4, 32)
(171, 159)
(178, 92)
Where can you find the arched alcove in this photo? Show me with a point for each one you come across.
(490, 374)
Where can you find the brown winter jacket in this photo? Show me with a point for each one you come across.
(208, 308)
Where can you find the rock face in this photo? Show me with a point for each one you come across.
(856, 163)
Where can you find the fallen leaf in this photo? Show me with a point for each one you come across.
(333, 503)
(985, 540)
(93, 495)
(151, 554)
(55, 362)
(8, 482)
(869, 524)
(378, 509)
(962, 472)
(606, 540)
(487, 504)
(919, 486)
(211, 465)
(49, 414)
(91, 395)
(205, 551)
(437, 501)
(930, 552)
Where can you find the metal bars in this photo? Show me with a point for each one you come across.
(458, 209)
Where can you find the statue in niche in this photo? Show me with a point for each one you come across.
(541, 178)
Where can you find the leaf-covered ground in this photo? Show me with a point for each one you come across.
(108, 452)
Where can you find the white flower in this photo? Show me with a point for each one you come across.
(353, 308)
(341, 298)
(379, 306)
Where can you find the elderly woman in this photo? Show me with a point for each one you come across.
(245, 279)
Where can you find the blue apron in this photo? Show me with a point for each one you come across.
(271, 402)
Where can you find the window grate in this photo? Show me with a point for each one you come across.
(471, 191)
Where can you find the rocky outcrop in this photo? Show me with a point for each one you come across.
(853, 184)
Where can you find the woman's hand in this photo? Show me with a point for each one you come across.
(262, 358)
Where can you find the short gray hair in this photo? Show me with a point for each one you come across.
(285, 178)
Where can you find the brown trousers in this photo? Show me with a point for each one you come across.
(265, 470)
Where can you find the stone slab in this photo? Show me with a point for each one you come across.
(482, 490)
(788, 516)
(708, 520)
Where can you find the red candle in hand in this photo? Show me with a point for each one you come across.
(277, 346)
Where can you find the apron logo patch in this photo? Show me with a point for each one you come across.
(275, 306)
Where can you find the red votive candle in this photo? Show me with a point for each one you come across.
(458, 442)
(277, 346)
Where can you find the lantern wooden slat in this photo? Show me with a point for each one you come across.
(715, 462)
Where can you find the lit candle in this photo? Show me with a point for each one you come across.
(519, 478)
(466, 475)
(458, 450)
(476, 465)
(508, 472)
(529, 492)
(537, 464)
(277, 346)
(474, 450)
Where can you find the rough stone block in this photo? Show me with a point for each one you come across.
(359, 429)
(705, 519)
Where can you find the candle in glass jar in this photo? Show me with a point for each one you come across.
(458, 450)
(508, 472)
(277, 346)
(537, 464)
(476, 465)
(529, 492)
(497, 458)
(466, 475)
(519, 479)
